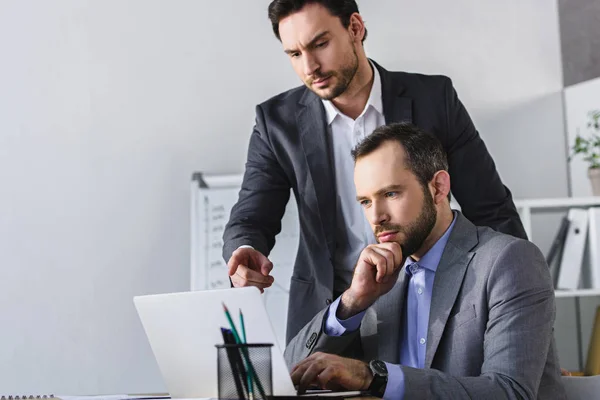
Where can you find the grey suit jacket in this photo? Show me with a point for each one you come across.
(289, 148)
(490, 330)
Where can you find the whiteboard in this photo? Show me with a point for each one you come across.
(212, 198)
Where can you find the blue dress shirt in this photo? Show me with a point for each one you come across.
(413, 341)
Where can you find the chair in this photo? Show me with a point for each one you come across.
(582, 387)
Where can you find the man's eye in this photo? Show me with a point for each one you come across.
(391, 194)
(322, 44)
(294, 55)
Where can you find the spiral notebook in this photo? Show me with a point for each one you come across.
(29, 397)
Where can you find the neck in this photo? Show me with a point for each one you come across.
(352, 102)
(444, 220)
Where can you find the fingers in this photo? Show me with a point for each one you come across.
(382, 260)
(240, 256)
(266, 266)
(251, 258)
(307, 371)
(331, 371)
(388, 260)
(245, 276)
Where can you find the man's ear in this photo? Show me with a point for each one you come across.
(357, 27)
(440, 186)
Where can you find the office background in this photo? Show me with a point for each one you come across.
(106, 107)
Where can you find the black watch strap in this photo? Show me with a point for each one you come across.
(380, 378)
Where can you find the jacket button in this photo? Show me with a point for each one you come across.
(311, 340)
(328, 301)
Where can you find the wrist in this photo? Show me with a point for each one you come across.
(350, 306)
(379, 378)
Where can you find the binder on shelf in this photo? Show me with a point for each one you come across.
(573, 252)
(594, 246)
(554, 256)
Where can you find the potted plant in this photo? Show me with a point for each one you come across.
(589, 148)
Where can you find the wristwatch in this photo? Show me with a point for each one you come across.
(380, 378)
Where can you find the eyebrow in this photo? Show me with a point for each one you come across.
(381, 191)
(310, 44)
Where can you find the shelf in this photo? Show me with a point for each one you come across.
(558, 202)
(576, 293)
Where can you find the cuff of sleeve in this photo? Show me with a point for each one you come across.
(337, 327)
(245, 246)
(395, 383)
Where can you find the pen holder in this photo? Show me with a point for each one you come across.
(244, 371)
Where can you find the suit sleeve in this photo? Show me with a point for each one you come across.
(255, 219)
(483, 198)
(517, 339)
(312, 338)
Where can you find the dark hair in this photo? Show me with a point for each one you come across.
(343, 9)
(424, 153)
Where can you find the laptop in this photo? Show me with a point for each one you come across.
(183, 329)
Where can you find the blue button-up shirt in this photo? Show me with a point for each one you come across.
(413, 341)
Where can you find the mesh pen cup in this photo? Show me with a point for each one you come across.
(245, 371)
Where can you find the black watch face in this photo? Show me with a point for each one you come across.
(379, 367)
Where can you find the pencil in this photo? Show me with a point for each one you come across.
(245, 354)
(250, 388)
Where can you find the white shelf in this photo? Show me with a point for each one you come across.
(576, 293)
(558, 202)
(527, 207)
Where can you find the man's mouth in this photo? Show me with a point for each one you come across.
(387, 236)
(321, 81)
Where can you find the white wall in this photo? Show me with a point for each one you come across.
(580, 99)
(106, 107)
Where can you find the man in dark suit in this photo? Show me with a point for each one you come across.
(302, 140)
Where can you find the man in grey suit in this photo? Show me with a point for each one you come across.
(438, 308)
(302, 141)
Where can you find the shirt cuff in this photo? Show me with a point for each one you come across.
(245, 246)
(337, 327)
(395, 383)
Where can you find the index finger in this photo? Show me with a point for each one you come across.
(396, 249)
(233, 263)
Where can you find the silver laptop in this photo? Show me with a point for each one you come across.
(183, 329)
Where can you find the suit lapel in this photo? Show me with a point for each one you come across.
(395, 107)
(311, 123)
(448, 281)
(389, 310)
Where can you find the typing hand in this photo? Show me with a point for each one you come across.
(249, 267)
(375, 274)
(329, 371)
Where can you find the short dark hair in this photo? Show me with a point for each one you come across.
(343, 9)
(424, 153)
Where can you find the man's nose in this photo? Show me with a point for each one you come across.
(311, 65)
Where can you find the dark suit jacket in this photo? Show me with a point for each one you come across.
(490, 330)
(289, 148)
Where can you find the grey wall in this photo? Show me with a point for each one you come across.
(107, 107)
(580, 39)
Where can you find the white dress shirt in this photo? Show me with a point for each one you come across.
(353, 232)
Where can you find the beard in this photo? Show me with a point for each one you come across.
(343, 78)
(416, 232)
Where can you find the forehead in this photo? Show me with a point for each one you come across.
(303, 25)
(383, 167)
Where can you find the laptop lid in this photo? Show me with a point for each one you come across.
(183, 329)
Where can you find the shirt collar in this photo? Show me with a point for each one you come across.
(374, 100)
(431, 259)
